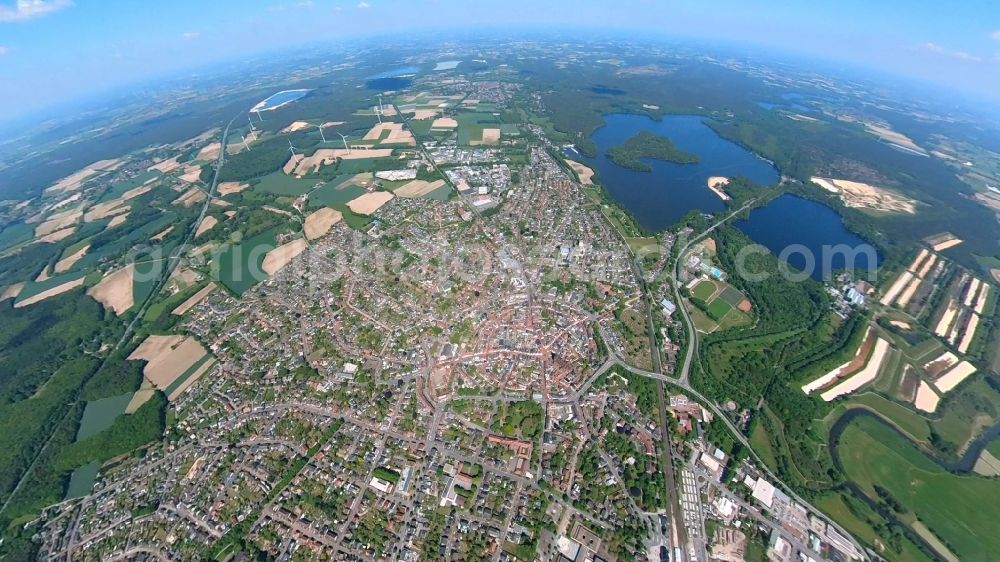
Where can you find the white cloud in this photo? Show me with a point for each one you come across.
(191, 35)
(363, 5)
(25, 10)
(958, 55)
(995, 35)
(4, 50)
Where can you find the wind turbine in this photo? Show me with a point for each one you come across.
(259, 117)
(379, 115)
(345, 142)
(321, 135)
(251, 123)
(245, 145)
(380, 108)
(292, 149)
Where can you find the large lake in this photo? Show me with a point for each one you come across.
(658, 199)
(811, 235)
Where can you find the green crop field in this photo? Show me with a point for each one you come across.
(961, 510)
(471, 125)
(905, 419)
(238, 266)
(15, 234)
(329, 195)
(278, 183)
(33, 288)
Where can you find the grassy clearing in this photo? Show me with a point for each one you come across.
(905, 419)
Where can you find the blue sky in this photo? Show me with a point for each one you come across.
(54, 50)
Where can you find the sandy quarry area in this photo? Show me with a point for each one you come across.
(396, 134)
(901, 325)
(282, 255)
(715, 183)
(296, 126)
(115, 290)
(915, 266)
(926, 400)
(230, 187)
(207, 223)
(57, 290)
(970, 331)
(862, 377)
(955, 376)
(444, 123)
(194, 300)
(901, 282)
(73, 181)
(907, 295)
(971, 291)
(117, 221)
(370, 202)
(69, 261)
(417, 188)
(864, 196)
(209, 152)
(168, 357)
(320, 222)
(585, 174)
(43, 276)
(191, 174)
(165, 166)
(926, 268)
(984, 295)
(303, 165)
(951, 243)
(946, 319)
(191, 197)
(847, 368)
(12, 291)
(58, 236)
(940, 364)
(332, 124)
(491, 137)
(159, 236)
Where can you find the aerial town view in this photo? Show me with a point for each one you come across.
(431, 281)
